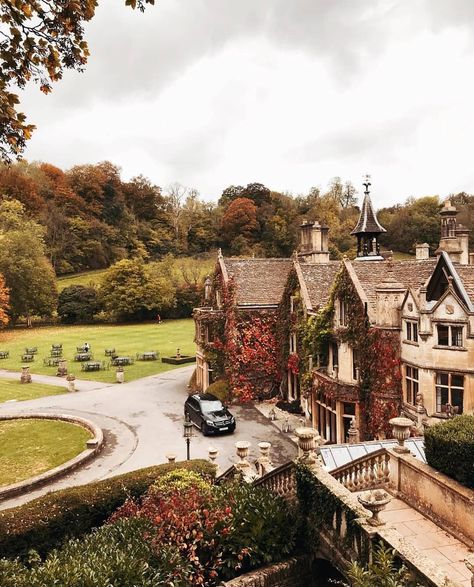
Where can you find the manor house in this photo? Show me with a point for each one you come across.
(355, 341)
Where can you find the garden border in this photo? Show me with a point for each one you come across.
(94, 446)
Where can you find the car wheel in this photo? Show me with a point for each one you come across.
(205, 429)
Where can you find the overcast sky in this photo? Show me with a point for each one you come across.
(289, 93)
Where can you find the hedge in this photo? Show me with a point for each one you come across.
(449, 448)
(220, 389)
(46, 522)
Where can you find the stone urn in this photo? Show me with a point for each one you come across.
(171, 458)
(401, 431)
(243, 449)
(62, 368)
(375, 501)
(264, 448)
(307, 438)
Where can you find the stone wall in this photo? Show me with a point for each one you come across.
(445, 501)
(294, 572)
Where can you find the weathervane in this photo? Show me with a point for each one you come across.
(366, 183)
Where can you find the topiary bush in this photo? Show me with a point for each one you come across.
(449, 448)
(46, 522)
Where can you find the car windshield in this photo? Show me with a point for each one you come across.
(208, 406)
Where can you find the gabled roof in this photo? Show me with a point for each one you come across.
(411, 274)
(319, 279)
(368, 222)
(466, 274)
(259, 282)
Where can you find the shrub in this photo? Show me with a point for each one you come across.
(220, 389)
(111, 555)
(44, 523)
(293, 407)
(449, 448)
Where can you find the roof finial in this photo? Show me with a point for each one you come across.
(366, 183)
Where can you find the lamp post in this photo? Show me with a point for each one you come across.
(187, 433)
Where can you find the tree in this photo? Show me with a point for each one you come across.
(39, 39)
(132, 290)
(78, 303)
(4, 302)
(240, 219)
(28, 274)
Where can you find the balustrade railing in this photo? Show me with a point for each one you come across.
(367, 472)
(281, 481)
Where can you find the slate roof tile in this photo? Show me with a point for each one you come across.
(319, 280)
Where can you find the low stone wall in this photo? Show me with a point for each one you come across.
(294, 572)
(93, 446)
(445, 501)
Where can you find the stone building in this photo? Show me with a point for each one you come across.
(355, 341)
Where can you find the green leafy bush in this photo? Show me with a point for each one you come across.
(449, 448)
(44, 523)
(220, 389)
(111, 555)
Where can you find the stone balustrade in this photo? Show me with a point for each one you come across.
(280, 481)
(367, 472)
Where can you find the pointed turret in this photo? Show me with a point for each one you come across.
(368, 229)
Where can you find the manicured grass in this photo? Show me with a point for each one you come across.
(127, 340)
(88, 278)
(30, 447)
(12, 389)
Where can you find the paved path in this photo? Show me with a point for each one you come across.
(142, 422)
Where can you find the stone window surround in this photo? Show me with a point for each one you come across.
(449, 386)
(449, 326)
(415, 322)
(413, 380)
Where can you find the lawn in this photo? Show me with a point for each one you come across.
(30, 447)
(127, 340)
(12, 389)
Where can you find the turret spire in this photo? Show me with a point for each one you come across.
(368, 228)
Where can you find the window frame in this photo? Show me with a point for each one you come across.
(449, 387)
(412, 331)
(455, 332)
(412, 384)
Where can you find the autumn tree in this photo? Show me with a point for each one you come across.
(132, 290)
(27, 272)
(239, 220)
(4, 302)
(78, 303)
(39, 39)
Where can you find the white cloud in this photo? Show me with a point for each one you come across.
(215, 92)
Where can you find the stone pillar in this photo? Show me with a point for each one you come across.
(212, 455)
(264, 464)
(25, 374)
(70, 382)
(120, 375)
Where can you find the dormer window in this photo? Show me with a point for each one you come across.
(450, 335)
(411, 330)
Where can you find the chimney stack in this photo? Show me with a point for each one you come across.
(314, 243)
(422, 252)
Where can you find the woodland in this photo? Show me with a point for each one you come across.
(55, 222)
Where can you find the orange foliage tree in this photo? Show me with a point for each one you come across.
(4, 302)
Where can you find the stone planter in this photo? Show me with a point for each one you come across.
(62, 368)
(401, 431)
(307, 444)
(70, 382)
(375, 501)
(243, 449)
(120, 375)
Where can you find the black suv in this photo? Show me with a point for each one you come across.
(208, 413)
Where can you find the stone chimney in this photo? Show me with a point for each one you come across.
(313, 247)
(454, 237)
(422, 252)
(388, 300)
